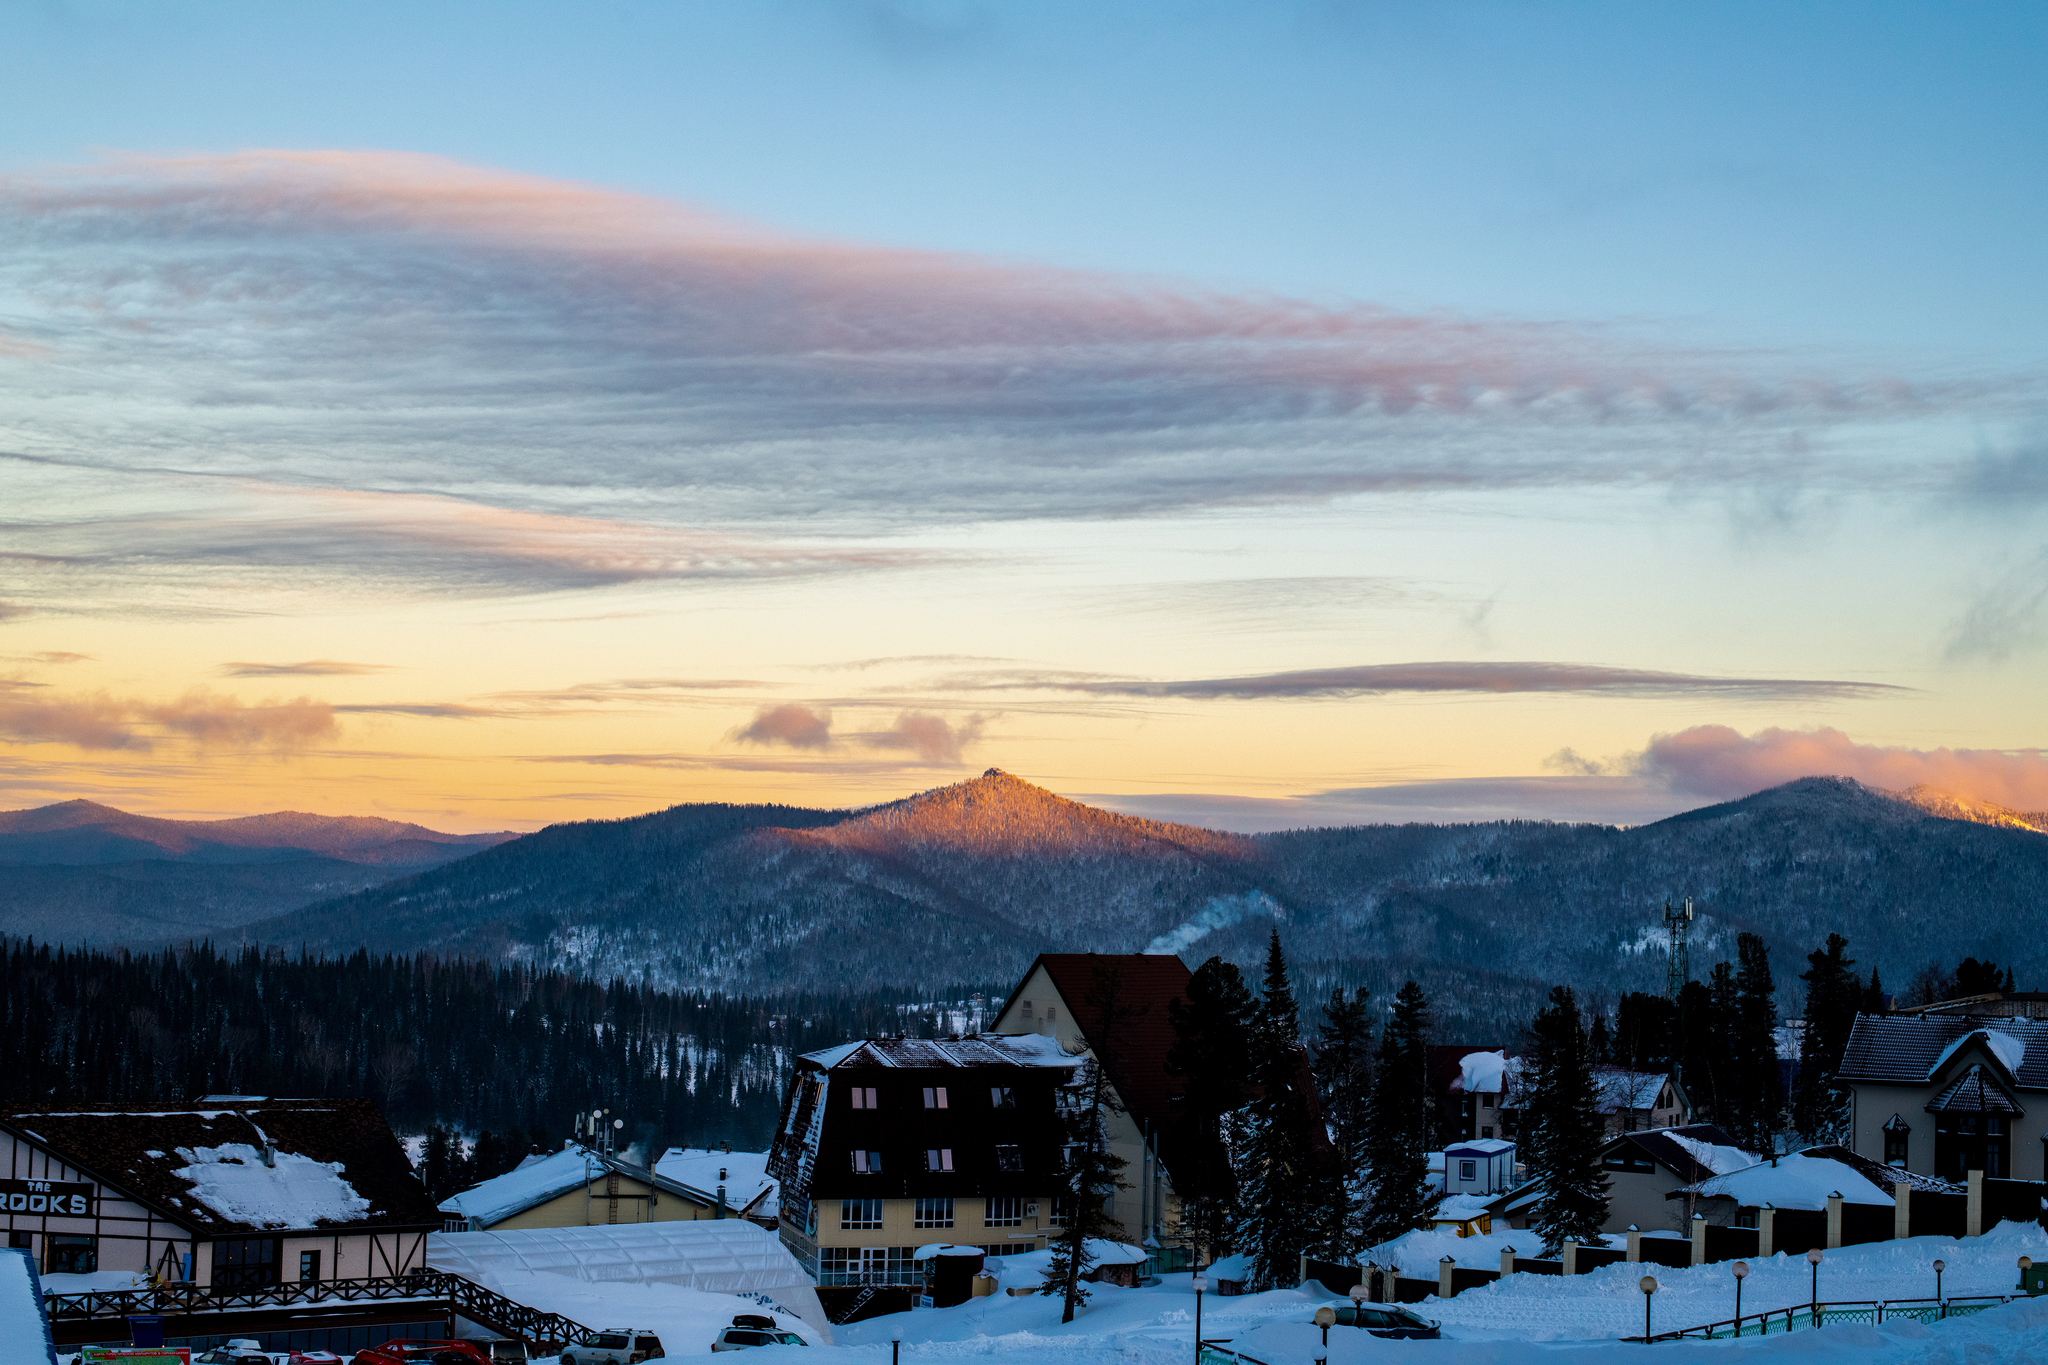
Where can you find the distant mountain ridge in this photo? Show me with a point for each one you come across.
(79, 870)
(967, 882)
(1953, 806)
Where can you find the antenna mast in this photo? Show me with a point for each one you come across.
(1679, 922)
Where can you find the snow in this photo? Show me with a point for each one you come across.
(1483, 1073)
(1233, 1268)
(687, 1320)
(532, 1182)
(296, 1192)
(1460, 1207)
(931, 1249)
(833, 1056)
(98, 1282)
(1796, 1182)
(1619, 1089)
(746, 1175)
(2009, 1050)
(1716, 1158)
(22, 1324)
(718, 1256)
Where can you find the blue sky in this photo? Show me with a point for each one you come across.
(580, 388)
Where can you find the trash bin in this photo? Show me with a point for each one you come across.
(145, 1329)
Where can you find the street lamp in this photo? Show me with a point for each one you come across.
(1940, 1308)
(1813, 1307)
(1741, 1272)
(1359, 1294)
(1326, 1318)
(1648, 1284)
(1201, 1283)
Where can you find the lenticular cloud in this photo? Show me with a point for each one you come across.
(408, 324)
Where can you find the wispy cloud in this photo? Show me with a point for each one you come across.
(1381, 679)
(1719, 762)
(206, 720)
(932, 738)
(791, 724)
(310, 668)
(2006, 618)
(404, 323)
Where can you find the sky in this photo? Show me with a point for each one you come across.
(1258, 414)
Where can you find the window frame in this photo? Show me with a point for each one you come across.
(865, 1223)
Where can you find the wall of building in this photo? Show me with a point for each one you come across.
(969, 1228)
(1872, 1106)
(638, 1202)
(131, 1237)
(1638, 1197)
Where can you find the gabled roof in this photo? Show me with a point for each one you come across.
(336, 1164)
(748, 1186)
(1148, 983)
(1900, 1049)
(1804, 1180)
(551, 1177)
(1697, 1151)
(1974, 1092)
(1617, 1088)
(974, 1050)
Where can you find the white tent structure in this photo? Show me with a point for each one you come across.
(716, 1256)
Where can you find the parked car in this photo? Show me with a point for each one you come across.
(1388, 1320)
(505, 1351)
(616, 1348)
(408, 1351)
(744, 1338)
(240, 1351)
(314, 1358)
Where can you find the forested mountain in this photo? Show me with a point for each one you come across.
(968, 882)
(96, 874)
(477, 1046)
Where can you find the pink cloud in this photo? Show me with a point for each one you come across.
(1716, 761)
(791, 724)
(930, 737)
(206, 720)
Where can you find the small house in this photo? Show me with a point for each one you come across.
(1636, 1101)
(1483, 1167)
(1644, 1167)
(578, 1187)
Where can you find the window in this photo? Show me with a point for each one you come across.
(860, 1213)
(1070, 1099)
(1897, 1142)
(245, 1262)
(1060, 1204)
(938, 1159)
(1009, 1159)
(74, 1255)
(309, 1267)
(933, 1213)
(1486, 1101)
(867, 1163)
(1486, 1132)
(19, 1240)
(1051, 1014)
(1003, 1211)
(1468, 1170)
(1745, 1218)
(1002, 1097)
(935, 1097)
(868, 1265)
(1027, 1009)
(864, 1097)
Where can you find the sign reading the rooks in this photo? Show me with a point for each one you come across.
(57, 1198)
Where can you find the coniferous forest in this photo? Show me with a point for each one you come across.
(471, 1046)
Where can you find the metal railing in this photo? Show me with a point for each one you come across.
(1807, 1315)
(465, 1296)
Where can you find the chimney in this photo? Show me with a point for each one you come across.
(270, 1155)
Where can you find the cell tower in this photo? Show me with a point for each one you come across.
(1679, 922)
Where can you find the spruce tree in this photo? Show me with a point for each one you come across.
(1285, 1173)
(1343, 1063)
(1212, 1056)
(1563, 1128)
(1760, 1089)
(1600, 1041)
(1397, 1129)
(1090, 1173)
(1820, 1102)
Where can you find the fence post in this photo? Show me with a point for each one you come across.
(1973, 1225)
(1302, 1278)
(1443, 1278)
(1507, 1260)
(1635, 1243)
(1902, 1211)
(1834, 1220)
(1699, 1239)
(1570, 1258)
(1766, 1231)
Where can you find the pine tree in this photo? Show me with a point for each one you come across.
(1398, 1127)
(1211, 1054)
(1343, 1064)
(1090, 1173)
(1285, 1173)
(1759, 1088)
(1600, 1041)
(1873, 995)
(1563, 1129)
(1820, 1102)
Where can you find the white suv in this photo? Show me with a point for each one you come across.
(616, 1348)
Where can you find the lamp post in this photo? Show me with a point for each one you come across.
(1359, 1293)
(1326, 1318)
(1940, 1308)
(1648, 1284)
(1201, 1283)
(1741, 1272)
(1813, 1259)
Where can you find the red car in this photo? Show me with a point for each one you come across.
(408, 1352)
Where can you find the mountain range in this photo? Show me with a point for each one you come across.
(966, 883)
(80, 871)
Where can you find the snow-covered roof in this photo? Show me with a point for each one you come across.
(1799, 1181)
(1483, 1146)
(1714, 1156)
(1233, 1268)
(536, 1182)
(1615, 1088)
(2010, 1051)
(716, 1255)
(1460, 1208)
(973, 1050)
(748, 1186)
(1908, 1049)
(288, 1191)
(22, 1319)
(1482, 1073)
